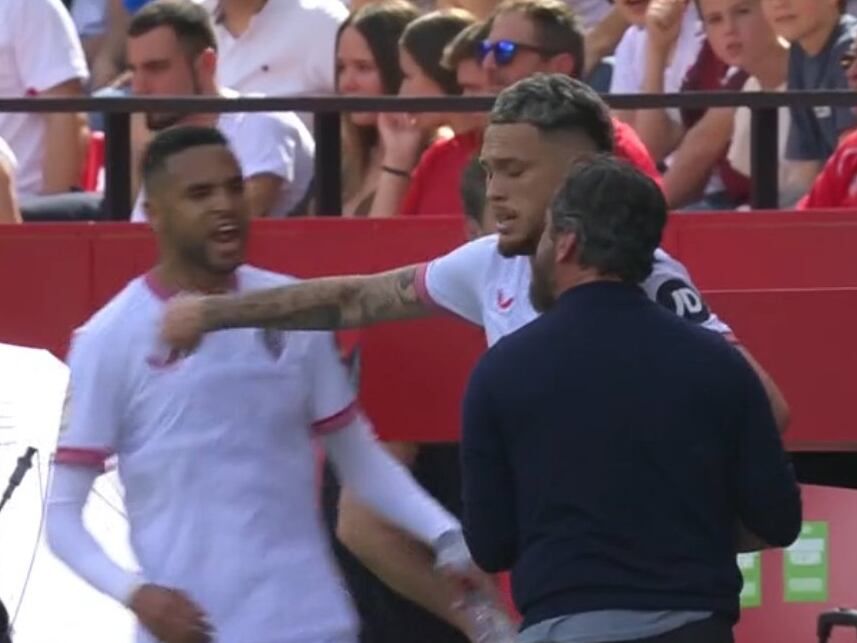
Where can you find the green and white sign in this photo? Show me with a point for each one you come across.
(805, 565)
(751, 570)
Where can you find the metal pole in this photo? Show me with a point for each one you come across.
(764, 158)
(328, 164)
(117, 166)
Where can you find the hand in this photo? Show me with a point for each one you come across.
(183, 324)
(402, 140)
(663, 23)
(170, 616)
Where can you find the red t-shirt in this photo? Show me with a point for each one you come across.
(836, 186)
(436, 182)
(628, 146)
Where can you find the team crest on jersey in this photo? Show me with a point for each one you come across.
(274, 342)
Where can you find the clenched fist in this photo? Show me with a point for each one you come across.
(183, 323)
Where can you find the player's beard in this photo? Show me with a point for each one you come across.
(542, 283)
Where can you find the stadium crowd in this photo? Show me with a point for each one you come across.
(393, 164)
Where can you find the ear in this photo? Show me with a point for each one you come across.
(206, 65)
(565, 247)
(562, 64)
(153, 213)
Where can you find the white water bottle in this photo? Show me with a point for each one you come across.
(490, 624)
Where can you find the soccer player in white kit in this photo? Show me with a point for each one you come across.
(215, 447)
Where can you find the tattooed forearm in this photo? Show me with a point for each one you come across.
(321, 304)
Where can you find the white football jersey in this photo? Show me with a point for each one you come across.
(215, 452)
(477, 283)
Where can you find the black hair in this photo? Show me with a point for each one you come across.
(172, 141)
(617, 213)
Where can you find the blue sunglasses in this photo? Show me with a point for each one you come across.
(506, 50)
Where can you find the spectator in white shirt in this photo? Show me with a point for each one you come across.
(172, 50)
(277, 47)
(40, 55)
(8, 200)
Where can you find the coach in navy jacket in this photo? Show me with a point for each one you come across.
(611, 448)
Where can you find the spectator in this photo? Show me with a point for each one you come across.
(767, 74)
(836, 185)
(654, 56)
(532, 36)
(819, 33)
(40, 55)
(741, 39)
(367, 64)
(462, 57)
(9, 212)
(277, 48)
(429, 184)
(172, 50)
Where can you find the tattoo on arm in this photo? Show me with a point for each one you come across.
(328, 303)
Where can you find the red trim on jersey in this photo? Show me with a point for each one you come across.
(337, 421)
(164, 292)
(421, 286)
(159, 288)
(96, 458)
(731, 338)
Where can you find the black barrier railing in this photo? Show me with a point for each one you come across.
(327, 110)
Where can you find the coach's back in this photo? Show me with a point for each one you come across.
(630, 444)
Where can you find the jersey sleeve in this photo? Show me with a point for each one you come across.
(670, 285)
(332, 397)
(92, 418)
(454, 281)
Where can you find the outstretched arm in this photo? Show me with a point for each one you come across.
(328, 303)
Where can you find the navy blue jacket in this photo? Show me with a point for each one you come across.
(610, 449)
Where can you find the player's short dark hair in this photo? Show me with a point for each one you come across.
(617, 213)
(189, 21)
(472, 191)
(556, 103)
(172, 141)
(557, 27)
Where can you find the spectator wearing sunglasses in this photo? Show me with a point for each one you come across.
(820, 34)
(543, 36)
(836, 185)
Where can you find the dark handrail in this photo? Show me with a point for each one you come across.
(688, 100)
(764, 107)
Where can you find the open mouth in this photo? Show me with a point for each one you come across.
(227, 234)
